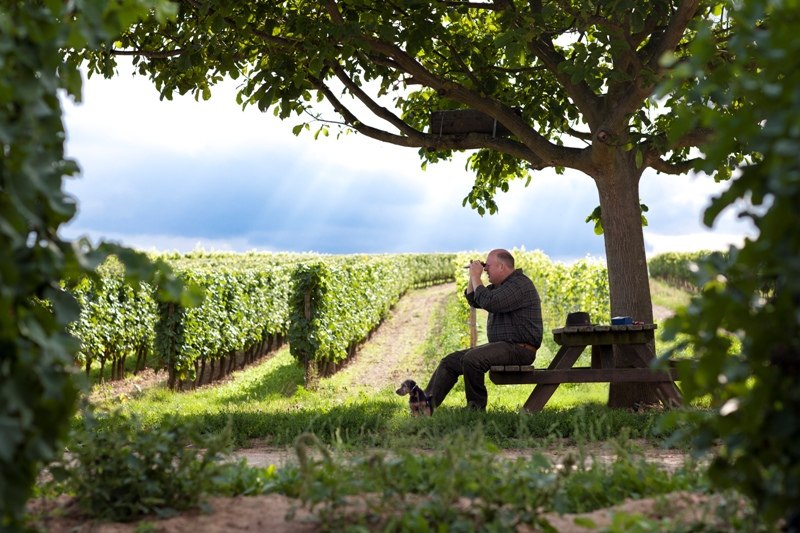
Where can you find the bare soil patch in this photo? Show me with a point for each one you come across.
(130, 387)
(661, 313)
(259, 454)
(278, 514)
(274, 513)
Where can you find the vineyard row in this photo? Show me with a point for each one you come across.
(324, 306)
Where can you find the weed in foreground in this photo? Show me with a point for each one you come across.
(461, 485)
(119, 471)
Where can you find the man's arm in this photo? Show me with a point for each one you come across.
(470, 292)
(508, 296)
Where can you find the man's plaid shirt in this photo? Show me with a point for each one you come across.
(515, 312)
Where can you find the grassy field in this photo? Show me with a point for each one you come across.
(665, 295)
(363, 464)
(269, 402)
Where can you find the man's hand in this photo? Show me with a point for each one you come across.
(475, 273)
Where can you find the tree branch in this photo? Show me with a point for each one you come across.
(659, 165)
(581, 94)
(418, 139)
(630, 96)
(372, 105)
(582, 135)
(503, 113)
(659, 145)
(650, 26)
(696, 137)
(673, 33)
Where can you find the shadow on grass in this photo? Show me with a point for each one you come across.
(507, 428)
(385, 423)
(281, 382)
(361, 424)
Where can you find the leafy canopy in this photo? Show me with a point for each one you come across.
(571, 81)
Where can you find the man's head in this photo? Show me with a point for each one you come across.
(499, 265)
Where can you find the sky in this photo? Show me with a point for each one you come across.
(183, 175)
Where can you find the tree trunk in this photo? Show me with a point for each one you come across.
(201, 376)
(121, 368)
(221, 368)
(628, 282)
(141, 359)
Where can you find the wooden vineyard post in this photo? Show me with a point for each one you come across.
(473, 330)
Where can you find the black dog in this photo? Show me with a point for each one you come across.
(419, 402)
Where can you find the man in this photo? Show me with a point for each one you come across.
(514, 329)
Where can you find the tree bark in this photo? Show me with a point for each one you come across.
(172, 380)
(222, 361)
(141, 359)
(628, 283)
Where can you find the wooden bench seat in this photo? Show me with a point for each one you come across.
(517, 375)
(610, 345)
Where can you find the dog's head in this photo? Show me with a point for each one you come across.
(406, 387)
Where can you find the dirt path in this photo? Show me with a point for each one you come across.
(660, 312)
(392, 354)
(275, 513)
(260, 455)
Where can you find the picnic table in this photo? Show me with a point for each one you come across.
(634, 339)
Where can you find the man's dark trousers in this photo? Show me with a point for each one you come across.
(473, 363)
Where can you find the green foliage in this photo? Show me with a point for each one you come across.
(678, 268)
(463, 486)
(119, 471)
(596, 216)
(249, 302)
(556, 67)
(116, 320)
(37, 391)
(753, 292)
(337, 303)
(241, 309)
(598, 485)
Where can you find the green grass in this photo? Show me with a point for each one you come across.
(412, 489)
(269, 402)
(668, 296)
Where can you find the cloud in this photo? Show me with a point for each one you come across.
(150, 242)
(656, 243)
(175, 174)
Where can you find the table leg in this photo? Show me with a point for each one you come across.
(602, 356)
(565, 358)
(668, 392)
